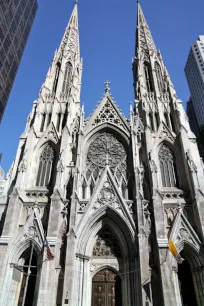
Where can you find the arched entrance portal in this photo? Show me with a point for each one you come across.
(186, 285)
(106, 289)
(28, 284)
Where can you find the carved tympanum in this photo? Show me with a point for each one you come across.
(106, 245)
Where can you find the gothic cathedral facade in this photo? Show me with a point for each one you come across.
(105, 192)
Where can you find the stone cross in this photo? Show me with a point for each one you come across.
(107, 88)
(107, 158)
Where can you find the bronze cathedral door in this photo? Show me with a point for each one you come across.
(106, 289)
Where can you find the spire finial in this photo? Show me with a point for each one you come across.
(107, 88)
(76, 2)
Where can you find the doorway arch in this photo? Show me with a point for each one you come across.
(186, 284)
(30, 288)
(106, 289)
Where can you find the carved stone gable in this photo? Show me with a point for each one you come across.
(108, 114)
(107, 196)
(33, 229)
(51, 134)
(182, 232)
(165, 133)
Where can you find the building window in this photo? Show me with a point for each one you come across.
(167, 167)
(58, 121)
(49, 119)
(159, 77)
(56, 77)
(67, 78)
(148, 77)
(42, 123)
(45, 167)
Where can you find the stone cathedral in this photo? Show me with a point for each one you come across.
(107, 193)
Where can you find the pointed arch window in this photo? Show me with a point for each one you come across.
(67, 78)
(45, 167)
(42, 122)
(58, 121)
(84, 186)
(167, 167)
(148, 77)
(159, 77)
(91, 187)
(49, 119)
(58, 66)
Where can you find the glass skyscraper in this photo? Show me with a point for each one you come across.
(194, 71)
(16, 19)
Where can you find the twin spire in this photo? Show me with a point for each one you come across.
(144, 40)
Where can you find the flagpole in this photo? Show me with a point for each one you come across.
(28, 274)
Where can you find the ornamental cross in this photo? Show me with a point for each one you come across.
(107, 88)
(107, 159)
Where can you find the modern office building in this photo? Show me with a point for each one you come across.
(195, 126)
(16, 19)
(194, 71)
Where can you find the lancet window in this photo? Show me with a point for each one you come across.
(157, 121)
(168, 167)
(49, 118)
(58, 121)
(42, 122)
(45, 167)
(148, 77)
(67, 78)
(56, 77)
(159, 77)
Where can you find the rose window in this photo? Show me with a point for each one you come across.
(106, 150)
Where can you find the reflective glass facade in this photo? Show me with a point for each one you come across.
(16, 19)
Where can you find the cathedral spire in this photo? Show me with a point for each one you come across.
(70, 40)
(62, 86)
(144, 40)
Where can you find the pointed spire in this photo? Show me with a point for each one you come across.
(70, 40)
(144, 39)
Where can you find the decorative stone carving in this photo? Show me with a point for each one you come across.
(23, 166)
(60, 167)
(109, 114)
(106, 150)
(153, 166)
(130, 206)
(165, 133)
(184, 234)
(51, 135)
(106, 245)
(36, 193)
(139, 127)
(170, 215)
(107, 196)
(95, 266)
(145, 229)
(147, 218)
(82, 206)
(175, 194)
(32, 231)
(191, 163)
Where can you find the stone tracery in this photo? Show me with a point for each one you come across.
(106, 245)
(106, 150)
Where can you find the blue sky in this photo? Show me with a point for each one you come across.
(107, 39)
